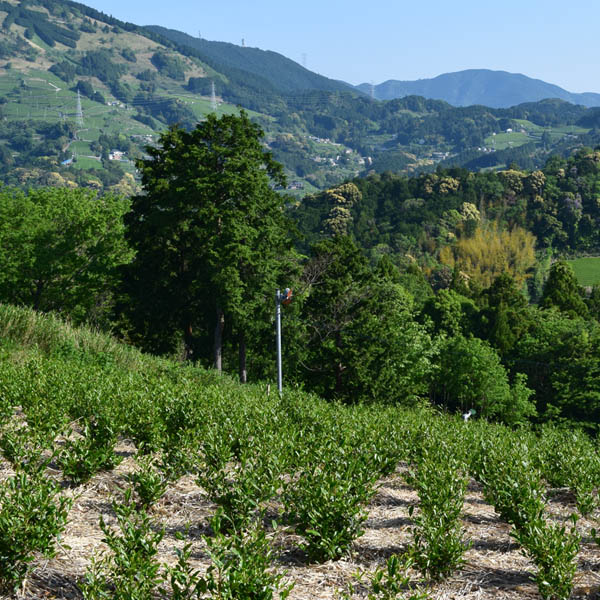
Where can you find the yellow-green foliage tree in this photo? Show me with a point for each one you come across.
(490, 252)
(341, 199)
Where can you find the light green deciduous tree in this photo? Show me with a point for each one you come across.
(60, 250)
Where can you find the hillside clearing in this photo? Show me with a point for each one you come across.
(587, 270)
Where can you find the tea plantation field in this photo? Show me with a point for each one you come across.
(128, 476)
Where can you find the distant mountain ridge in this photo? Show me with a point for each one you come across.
(496, 89)
(82, 95)
(285, 75)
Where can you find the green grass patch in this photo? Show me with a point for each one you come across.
(80, 148)
(570, 129)
(49, 77)
(529, 126)
(587, 270)
(201, 106)
(83, 162)
(27, 329)
(501, 141)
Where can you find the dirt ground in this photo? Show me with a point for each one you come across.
(494, 566)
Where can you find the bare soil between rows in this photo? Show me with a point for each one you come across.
(494, 566)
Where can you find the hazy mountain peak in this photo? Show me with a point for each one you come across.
(497, 89)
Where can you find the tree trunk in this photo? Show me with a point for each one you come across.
(218, 350)
(339, 367)
(242, 353)
(37, 298)
(188, 342)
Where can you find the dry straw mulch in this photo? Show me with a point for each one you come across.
(494, 567)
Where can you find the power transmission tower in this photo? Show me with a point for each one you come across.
(304, 59)
(79, 112)
(213, 97)
(373, 90)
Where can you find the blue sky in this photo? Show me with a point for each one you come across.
(358, 42)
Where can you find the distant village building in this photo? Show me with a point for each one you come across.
(142, 137)
(116, 155)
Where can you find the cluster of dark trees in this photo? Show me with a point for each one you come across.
(152, 106)
(85, 88)
(21, 144)
(98, 63)
(36, 21)
(93, 63)
(16, 46)
(191, 267)
(397, 214)
(169, 65)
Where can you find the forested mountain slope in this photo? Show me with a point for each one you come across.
(285, 75)
(133, 82)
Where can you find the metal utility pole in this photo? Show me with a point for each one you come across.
(278, 327)
(213, 97)
(280, 299)
(79, 113)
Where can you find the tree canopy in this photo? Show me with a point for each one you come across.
(210, 234)
(61, 249)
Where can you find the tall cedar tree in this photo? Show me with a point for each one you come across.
(562, 291)
(210, 235)
(363, 343)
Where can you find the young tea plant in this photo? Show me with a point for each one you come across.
(182, 579)
(240, 487)
(327, 498)
(438, 535)
(148, 482)
(567, 458)
(241, 564)
(130, 569)
(33, 515)
(553, 550)
(511, 482)
(18, 445)
(390, 582)
(241, 567)
(514, 486)
(179, 455)
(81, 458)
